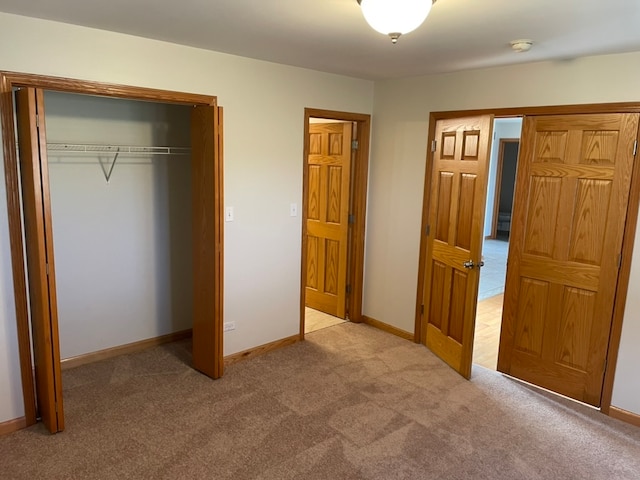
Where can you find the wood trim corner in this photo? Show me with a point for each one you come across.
(260, 350)
(385, 327)
(14, 425)
(625, 416)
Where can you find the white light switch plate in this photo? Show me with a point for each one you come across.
(293, 210)
(228, 214)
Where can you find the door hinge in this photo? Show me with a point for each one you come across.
(635, 147)
(427, 230)
(352, 219)
(47, 269)
(619, 260)
(37, 121)
(434, 144)
(354, 144)
(348, 289)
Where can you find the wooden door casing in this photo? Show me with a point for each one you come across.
(9, 81)
(570, 208)
(456, 220)
(40, 258)
(327, 226)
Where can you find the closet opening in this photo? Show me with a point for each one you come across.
(120, 188)
(126, 201)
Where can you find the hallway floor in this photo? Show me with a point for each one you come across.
(317, 320)
(490, 300)
(487, 333)
(492, 275)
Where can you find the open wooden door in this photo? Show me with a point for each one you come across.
(570, 210)
(206, 166)
(329, 173)
(454, 246)
(32, 144)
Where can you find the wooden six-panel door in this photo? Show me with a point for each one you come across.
(456, 219)
(570, 208)
(40, 259)
(329, 170)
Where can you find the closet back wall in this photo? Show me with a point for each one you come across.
(123, 247)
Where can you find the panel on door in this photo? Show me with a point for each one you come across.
(328, 169)
(36, 201)
(454, 246)
(569, 217)
(206, 165)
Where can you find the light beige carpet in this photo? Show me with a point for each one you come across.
(351, 402)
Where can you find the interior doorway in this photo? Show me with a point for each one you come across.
(335, 165)
(574, 161)
(329, 166)
(495, 248)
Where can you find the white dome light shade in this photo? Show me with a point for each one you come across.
(395, 17)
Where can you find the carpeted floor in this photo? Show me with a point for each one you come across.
(351, 402)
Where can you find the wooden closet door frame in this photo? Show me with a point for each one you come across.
(11, 80)
(627, 242)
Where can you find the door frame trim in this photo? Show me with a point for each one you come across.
(358, 199)
(629, 231)
(11, 80)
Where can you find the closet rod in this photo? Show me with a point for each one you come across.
(121, 149)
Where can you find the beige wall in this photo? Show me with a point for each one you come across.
(398, 165)
(264, 112)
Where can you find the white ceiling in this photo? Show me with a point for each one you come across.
(332, 36)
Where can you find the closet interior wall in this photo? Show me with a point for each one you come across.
(122, 247)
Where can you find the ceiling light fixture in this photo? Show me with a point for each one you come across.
(395, 17)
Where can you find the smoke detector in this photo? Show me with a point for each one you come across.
(522, 45)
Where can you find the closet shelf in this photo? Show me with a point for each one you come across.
(119, 149)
